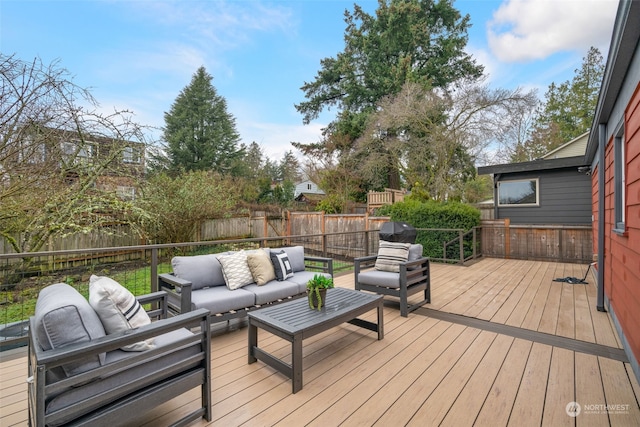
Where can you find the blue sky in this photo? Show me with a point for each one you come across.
(139, 54)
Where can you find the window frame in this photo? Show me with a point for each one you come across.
(619, 180)
(131, 155)
(518, 205)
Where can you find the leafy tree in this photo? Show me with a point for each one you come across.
(407, 41)
(55, 148)
(199, 132)
(433, 137)
(178, 205)
(567, 111)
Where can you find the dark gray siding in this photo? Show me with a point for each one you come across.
(565, 198)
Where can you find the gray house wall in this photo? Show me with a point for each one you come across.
(564, 198)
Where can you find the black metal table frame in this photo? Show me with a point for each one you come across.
(320, 322)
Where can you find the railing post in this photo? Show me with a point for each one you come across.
(154, 270)
(461, 243)
(475, 242)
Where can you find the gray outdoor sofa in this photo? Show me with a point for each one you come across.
(198, 281)
(413, 276)
(79, 375)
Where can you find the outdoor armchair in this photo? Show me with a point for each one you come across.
(413, 277)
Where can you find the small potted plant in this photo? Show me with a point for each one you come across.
(317, 290)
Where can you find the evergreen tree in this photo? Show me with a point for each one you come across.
(199, 132)
(567, 111)
(406, 41)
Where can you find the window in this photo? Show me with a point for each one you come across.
(77, 152)
(308, 186)
(619, 178)
(125, 192)
(518, 193)
(131, 155)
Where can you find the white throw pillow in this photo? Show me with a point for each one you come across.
(236, 270)
(118, 309)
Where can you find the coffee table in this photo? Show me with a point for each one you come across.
(294, 321)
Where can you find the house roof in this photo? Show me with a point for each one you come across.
(626, 34)
(534, 165)
(575, 147)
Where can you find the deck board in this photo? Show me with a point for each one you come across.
(427, 370)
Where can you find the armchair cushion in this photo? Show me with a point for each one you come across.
(63, 317)
(201, 270)
(236, 270)
(390, 255)
(118, 309)
(379, 278)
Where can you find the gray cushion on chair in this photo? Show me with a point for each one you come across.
(80, 394)
(63, 317)
(201, 270)
(415, 252)
(273, 291)
(220, 299)
(380, 278)
(302, 277)
(295, 255)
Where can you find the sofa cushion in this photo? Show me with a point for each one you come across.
(63, 317)
(281, 265)
(390, 255)
(273, 291)
(220, 299)
(261, 268)
(201, 270)
(118, 309)
(295, 255)
(301, 278)
(235, 270)
(379, 278)
(144, 373)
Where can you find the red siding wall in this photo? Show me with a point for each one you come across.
(622, 252)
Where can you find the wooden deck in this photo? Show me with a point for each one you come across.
(506, 346)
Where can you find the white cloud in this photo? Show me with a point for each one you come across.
(275, 138)
(525, 30)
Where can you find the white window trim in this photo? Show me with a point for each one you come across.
(510, 205)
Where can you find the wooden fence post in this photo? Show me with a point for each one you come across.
(507, 238)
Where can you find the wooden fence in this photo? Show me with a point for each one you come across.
(559, 243)
(498, 237)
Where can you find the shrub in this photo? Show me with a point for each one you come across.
(435, 215)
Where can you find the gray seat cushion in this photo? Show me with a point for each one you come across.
(273, 291)
(94, 388)
(295, 255)
(220, 299)
(201, 270)
(379, 278)
(302, 277)
(63, 317)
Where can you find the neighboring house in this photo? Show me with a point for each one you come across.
(307, 187)
(575, 147)
(613, 153)
(553, 190)
(54, 148)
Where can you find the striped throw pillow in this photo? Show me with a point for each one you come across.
(390, 255)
